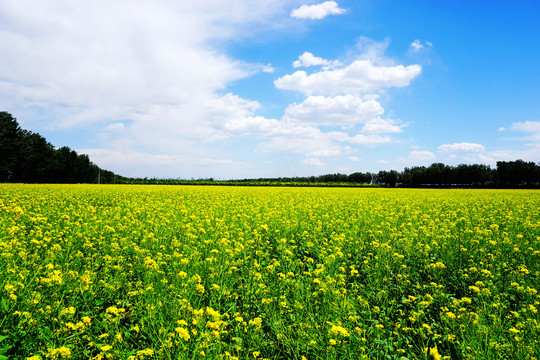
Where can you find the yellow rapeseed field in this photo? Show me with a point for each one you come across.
(172, 272)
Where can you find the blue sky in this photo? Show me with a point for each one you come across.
(273, 88)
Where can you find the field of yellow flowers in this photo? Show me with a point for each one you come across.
(157, 272)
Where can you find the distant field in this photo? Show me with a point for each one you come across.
(172, 272)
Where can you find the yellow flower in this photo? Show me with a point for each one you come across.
(145, 352)
(86, 320)
(338, 330)
(257, 322)
(199, 288)
(215, 287)
(60, 352)
(435, 353)
(183, 333)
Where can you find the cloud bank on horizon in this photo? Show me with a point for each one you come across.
(272, 88)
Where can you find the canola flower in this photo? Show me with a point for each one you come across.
(172, 272)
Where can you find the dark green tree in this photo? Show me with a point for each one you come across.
(10, 138)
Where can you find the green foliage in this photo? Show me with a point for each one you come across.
(28, 158)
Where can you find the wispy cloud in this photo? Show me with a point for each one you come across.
(419, 157)
(531, 128)
(418, 45)
(313, 162)
(462, 147)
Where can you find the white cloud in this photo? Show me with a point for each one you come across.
(307, 59)
(381, 126)
(417, 45)
(65, 65)
(346, 97)
(501, 129)
(527, 126)
(98, 63)
(360, 139)
(268, 68)
(373, 50)
(338, 111)
(360, 77)
(354, 158)
(313, 162)
(473, 153)
(233, 116)
(115, 127)
(529, 153)
(318, 11)
(155, 83)
(417, 157)
(462, 147)
(530, 127)
(140, 164)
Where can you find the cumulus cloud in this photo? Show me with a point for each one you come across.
(461, 148)
(317, 12)
(344, 96)
(338, 111)
(308, 59)
(360, 77)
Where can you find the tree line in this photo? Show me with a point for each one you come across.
(27, 157)
(507, 174)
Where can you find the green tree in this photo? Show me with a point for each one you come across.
(10, 142)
